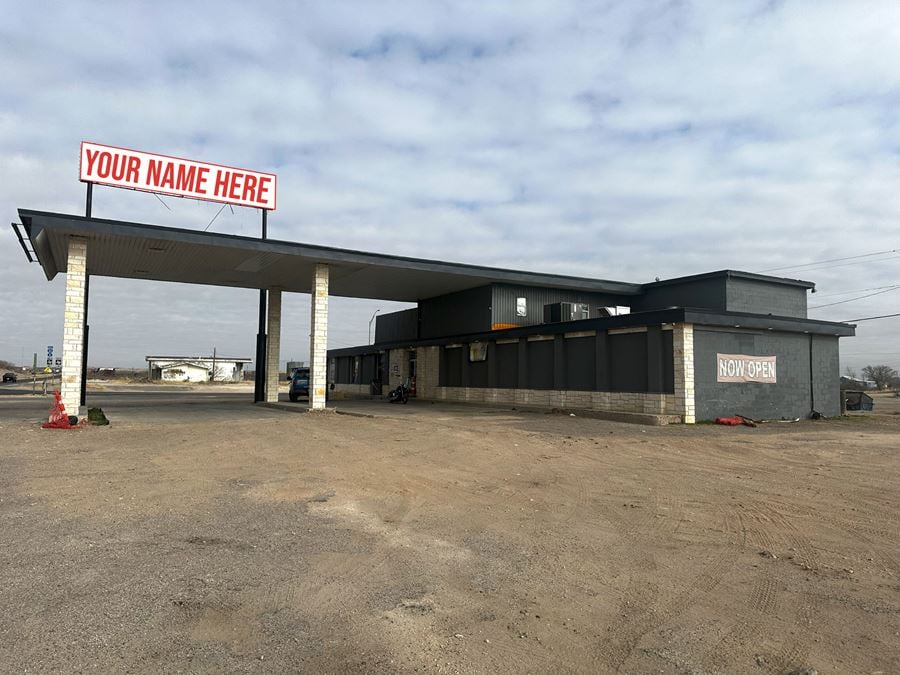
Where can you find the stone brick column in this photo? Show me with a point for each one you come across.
(318, 338)
(73, 326)
(428, 367)
(683, 353)
(400, 359)
(273, 346)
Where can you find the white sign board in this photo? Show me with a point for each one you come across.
(744, 368)
(144, 171)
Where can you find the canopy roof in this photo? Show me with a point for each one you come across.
(140, 251)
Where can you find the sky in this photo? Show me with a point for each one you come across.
(616, 140)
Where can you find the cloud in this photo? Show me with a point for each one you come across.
(613, 140)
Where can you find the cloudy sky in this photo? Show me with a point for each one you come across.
(620, 140)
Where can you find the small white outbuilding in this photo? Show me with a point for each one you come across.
(196, 368)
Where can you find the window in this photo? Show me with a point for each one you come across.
(477, 352)
(521, 307)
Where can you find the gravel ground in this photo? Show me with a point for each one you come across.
(229, 538)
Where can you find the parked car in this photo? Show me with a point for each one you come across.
(299, 384)
(10, 377)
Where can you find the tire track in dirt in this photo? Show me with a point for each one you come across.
(794, 648)
(641, 608)
(762, 603)
(863, 534)
(626, 635)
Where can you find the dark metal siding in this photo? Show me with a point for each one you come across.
(628, 362)
(503, 303)
(580, 358)
(451, 367)
(668, 361)
(540, 365)
(397, 326)
(342, 369)
(456, 314)
(507, 365)
(368, 368)
(478, 373)
(705, 293)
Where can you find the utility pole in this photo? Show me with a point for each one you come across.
(213, 377)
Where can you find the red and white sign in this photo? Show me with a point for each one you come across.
(743, 368)
(137, 170)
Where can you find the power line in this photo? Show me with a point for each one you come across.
(855, 290)
(819, 262)
(847, 264)
(868, 295)
(870, 318)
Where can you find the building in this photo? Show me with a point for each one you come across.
(694, 348)
(195, 368)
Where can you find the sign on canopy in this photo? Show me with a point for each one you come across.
(121, 167)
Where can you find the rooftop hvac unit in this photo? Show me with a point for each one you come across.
(566, 311)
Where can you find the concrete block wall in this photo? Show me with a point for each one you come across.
(744, 295)
(399, 367)
(791, 396)
(73, 325)
(428, 369)
(826, 368)
(273, 346)
(354, 391)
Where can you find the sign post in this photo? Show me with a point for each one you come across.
(162, 174)
(259, 376)
(88, 205)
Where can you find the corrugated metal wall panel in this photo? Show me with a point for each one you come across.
(397, 326)
(456, 314)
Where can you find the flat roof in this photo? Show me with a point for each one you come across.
(130, 250)
(732, 274)
(197, 358)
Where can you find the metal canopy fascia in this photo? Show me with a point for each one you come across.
(697, 317)
(141, 251)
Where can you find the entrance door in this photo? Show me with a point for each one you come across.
(412, 372)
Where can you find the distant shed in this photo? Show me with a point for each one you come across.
(858, 400)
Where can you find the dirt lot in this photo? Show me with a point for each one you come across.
(451, 540)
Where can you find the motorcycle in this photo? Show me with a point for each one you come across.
(400, 394)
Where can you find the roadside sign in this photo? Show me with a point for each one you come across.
(49, 362)
(49, 351)
(58, 362)
(47, 370)
(148, 172)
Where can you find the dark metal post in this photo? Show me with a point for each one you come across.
(88, 204)
(260, 376)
